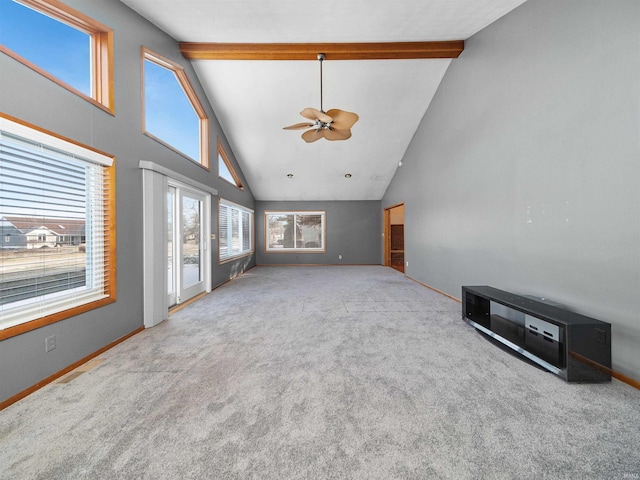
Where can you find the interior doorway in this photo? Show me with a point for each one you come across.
(394, 252)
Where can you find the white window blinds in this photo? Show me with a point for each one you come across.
(235, 230)
(54, 224)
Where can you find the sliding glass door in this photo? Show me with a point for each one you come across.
(186, 242)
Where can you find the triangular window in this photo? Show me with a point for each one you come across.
(225, 168)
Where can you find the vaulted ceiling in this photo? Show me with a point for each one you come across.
(255, 98)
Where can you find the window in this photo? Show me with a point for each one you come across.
(54, 194)
(236, 231)
(172, 112)
(225, 168)
(294, 232)
(62, 44)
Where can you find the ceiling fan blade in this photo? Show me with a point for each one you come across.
(311, 136)
(334, 134)
(342, 120)
(314, 114)
(298, 126)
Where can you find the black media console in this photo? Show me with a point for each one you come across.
(574, 347)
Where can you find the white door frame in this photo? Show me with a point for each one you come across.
(184, 293)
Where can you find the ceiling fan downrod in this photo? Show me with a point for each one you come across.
(321, 58)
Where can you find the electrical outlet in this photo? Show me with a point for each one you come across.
(407, 263)
(339, 257)
(50, 343)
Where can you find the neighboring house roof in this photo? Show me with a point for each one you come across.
(59, 226)
(39, 231)
(4, 223)
(7, 228)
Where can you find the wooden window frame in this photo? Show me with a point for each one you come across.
(225, 158)
(109, 178)
(322, 249)
(102, 77)
(190, 92)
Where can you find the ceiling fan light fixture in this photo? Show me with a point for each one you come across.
(332, 125)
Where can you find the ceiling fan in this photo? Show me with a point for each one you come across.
(333, 125)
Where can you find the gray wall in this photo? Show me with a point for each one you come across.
(525, 171)
(30, 97)
(354, 230)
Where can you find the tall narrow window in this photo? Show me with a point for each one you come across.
(56, 201)
(62, 44)
(235, 231)
(294, 231)
(225, 168)
(173, 114)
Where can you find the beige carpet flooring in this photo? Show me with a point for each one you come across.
(319, 373)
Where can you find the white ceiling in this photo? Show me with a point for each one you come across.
(254, 99)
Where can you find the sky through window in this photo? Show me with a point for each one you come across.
(61, 50)
(169, 115)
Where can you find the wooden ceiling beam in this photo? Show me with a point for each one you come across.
(310, 51)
